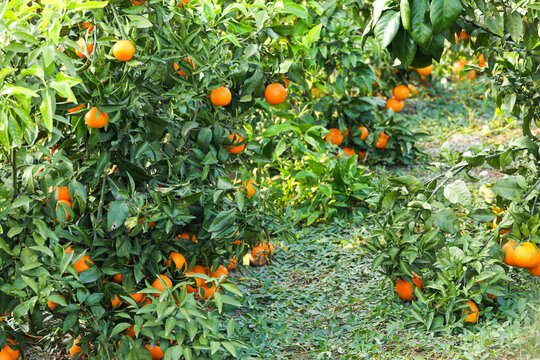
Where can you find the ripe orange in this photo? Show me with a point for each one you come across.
(458, 66)
(130, 332)
(221, 96)
(405, 288)
(158, 284)
(481, 60)
(197, 269)
(346, 132)
(68, 250)
(117, 278)
(115, 301)
(151, 224)
(535, 271)
(4, 355)
(275, 94)
(248, 187)
(181, 72)
(412, 89)
(75, 109)
(317, 93)
(365, 132)
(401, 92)
(286, 81)
(471, 312)
(63, 193)
(259, 256)
(123, 50)
(425, 71)
(75, 348)
(64, 204)
(138, 297)
(220, 271)
(187, 236)
(509, 253)
(362, 155)
(179, 261)
(526, 255)
(96, 121)
(13, 354)
(51, 304)
(232, 263)
(86, 25)
(471, 75)
(83, 45)
(137, 2)
(395, 104)
(155, 351)
(234, 148)
(184, 1)
(207, 292)
(348, 151)
(336, 137)
(382, 141)
(81, 265)
(463, 35)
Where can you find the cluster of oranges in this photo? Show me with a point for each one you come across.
(397, 102)
(524, 255)
(261, 254)
(336, 137)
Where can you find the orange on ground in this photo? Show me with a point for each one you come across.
(425, 71)
(471, 312)
(221, 96)
(232, 263)
(123, 50)
(234, 148)
(197, 269)
(81, 265)
(365, 132)
(96, 121)
(526, 255)
(187, 236)
(75, 109)
(158, 284)
(179, 261)
(401, 92)
(64, 204)
(181, 72)
(382, 141)
(509, 253)
(275, 94)
(336, 136)
(248, 187)
(63, 193)
(348, 151)
(259, 256)
(395, 104)
(13, 354)
(75, 348)
(207, 292)
(155, 351)
(83, 45)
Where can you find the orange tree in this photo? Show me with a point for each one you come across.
(429, 229)
(126, 127)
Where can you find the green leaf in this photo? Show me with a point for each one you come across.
(90, 275)
(387, 27)
(513, 23)
(405, 11)
(47, 109)
(447, 221)
(458, 193)
(494, 21)
(118, 211)
(443, 13)
(230, 347)
(87, 5)
(290, 7)
(139, 22)
(421, 30)
(404, 48)
(508, 188)
(223, 220)
(483, 215)
(119, 328)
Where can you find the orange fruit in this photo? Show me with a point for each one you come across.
(481, 60)
(425, 71)
(179, 261)
(181, 72)
(13, 354)
(138, 297)
(259, 256)
(51, 304)
(130, 332)
(123, 50)
(458, 66)
(221, 96)
(158, 284)
(526, 255)
(509, 253)
(151, 224)
(4, 355)
(184, 1)
(348, 151)
(336, 137)
(346, 132)
(115, 301)
(64, 204)
(380, 96)
(187, 236)
(75, 109)
(362, 155)
(197, 269)
(365, 132)
(155, 351)
(317, 93)
(401, 92)
(405, 288)
(117, 278)
(137, 2)
(471, 312)
(86, 25)
(207, 292)
(68, 250)
(96, 121)
(382, 141)
(412, 89)
(75, 348)
(463, 35)
(395, 104)
(248, 187)
(83, 45)
(82, 264)
(286, 81)
(275, 94)
(234, 148)
(220, 271)
(535, 271)
(471, 75)
(232, 263)
(63, 194)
